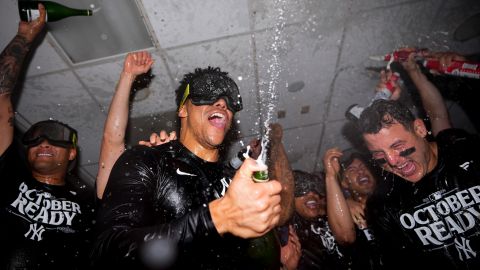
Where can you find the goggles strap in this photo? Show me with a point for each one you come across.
(74, 140)
(184, 98)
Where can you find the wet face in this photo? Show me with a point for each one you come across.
(311, 205)
(358, 178)
(208, 124)
(402, 152)
(48, 159)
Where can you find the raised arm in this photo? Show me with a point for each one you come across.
(113, 141)
(432, 100)
(280, 169)
(11, 63)
(338, 212)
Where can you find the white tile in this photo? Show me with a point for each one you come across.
(10, 19)
(360, 6)
(183, 22)
(316, 14)
(443, 26)
(45, 59)
(334, 136)
(311, 61)
(301, 145)
(102, 79)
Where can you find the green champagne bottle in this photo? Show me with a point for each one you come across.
(260, 176)
(28, 11)
(264, 250)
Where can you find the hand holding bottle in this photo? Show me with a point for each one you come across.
(248, 209)
(389, 82)
(445, 60)
(30, 30)
(28, 11)
(437, 62)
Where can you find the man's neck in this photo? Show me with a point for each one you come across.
(205, 153)
(433, 156)
(50, 179)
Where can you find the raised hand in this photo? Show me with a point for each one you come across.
(30, 30)
(445, 59)
(386, 77)
(292, 251)
(248, 209)
(331, 161)
(137, 63)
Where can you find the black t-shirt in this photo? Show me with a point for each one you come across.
(436, 221)
(157, 198)
(319, 248)
(365, 250)
(42, 226)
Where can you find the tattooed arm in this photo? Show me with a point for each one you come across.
(11, 62)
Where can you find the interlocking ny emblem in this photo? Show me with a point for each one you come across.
(35, 232)
(464, 249)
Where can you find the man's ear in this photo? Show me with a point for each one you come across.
(182, 113)
(72, 153)
(419, 128)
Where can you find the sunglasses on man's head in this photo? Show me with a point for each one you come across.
(56, 133)
(208, 94)
(404, 153)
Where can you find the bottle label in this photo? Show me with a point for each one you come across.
(382, 94)
(260, 176)
(34, 14)
(355, 111)
(469, 66)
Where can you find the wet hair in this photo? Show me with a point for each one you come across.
(199, 78)
(355, 155)
(306, 182)
(366, 160)
(383, 114)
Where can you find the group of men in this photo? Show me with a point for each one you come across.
(174, 206)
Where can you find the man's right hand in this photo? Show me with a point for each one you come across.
(248, 209)
(137, 63)
(331, 161)
(30, 30)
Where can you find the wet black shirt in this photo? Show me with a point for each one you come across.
(319, 248)
(365, 251)
(155, 213)
(434, 223)
(42, 226)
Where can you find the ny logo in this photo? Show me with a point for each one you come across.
(34, 232)
(465, 249)
(465, 165)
